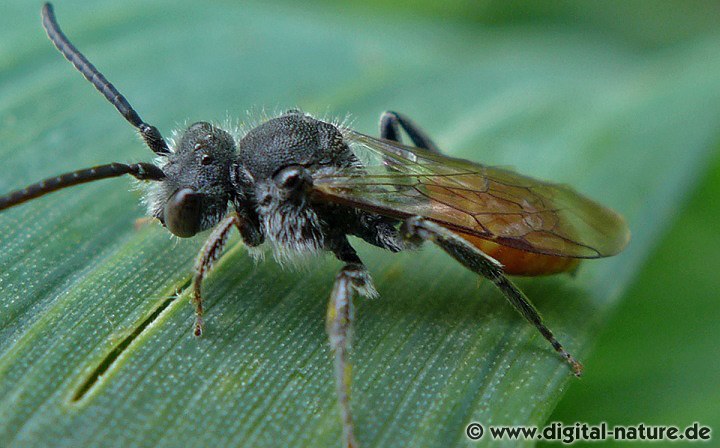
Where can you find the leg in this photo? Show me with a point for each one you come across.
(208, 255)
(353, 278)
(418, 229)
(390, 124)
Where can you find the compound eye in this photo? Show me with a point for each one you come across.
(291, 178)
(182, 213)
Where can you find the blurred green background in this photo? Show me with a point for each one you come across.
(576, 82)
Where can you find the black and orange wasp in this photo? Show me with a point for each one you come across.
(304, 185)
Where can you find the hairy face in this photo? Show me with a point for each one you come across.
(195, 193)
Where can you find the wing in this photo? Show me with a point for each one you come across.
(491, 203)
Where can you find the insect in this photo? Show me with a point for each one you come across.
(303, 185)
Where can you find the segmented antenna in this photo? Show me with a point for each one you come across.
(150, 134)
(141, 171)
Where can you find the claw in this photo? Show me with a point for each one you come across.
(198, 328)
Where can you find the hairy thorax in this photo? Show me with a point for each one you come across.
(291, 226)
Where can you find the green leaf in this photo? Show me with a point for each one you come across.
(97, 350)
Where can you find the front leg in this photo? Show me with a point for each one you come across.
(209, 253)
(353, 278)
(418, 229)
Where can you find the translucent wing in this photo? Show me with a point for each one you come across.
(490, 203)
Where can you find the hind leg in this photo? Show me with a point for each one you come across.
(418, 229)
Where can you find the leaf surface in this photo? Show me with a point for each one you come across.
(96, 346)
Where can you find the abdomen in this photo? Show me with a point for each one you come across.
(520, 262)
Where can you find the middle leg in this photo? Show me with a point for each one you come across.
(352, 279)
(390, 124)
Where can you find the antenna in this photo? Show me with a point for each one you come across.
(141, 171)
(149, 133)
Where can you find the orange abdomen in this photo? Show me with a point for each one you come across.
(520, 262)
